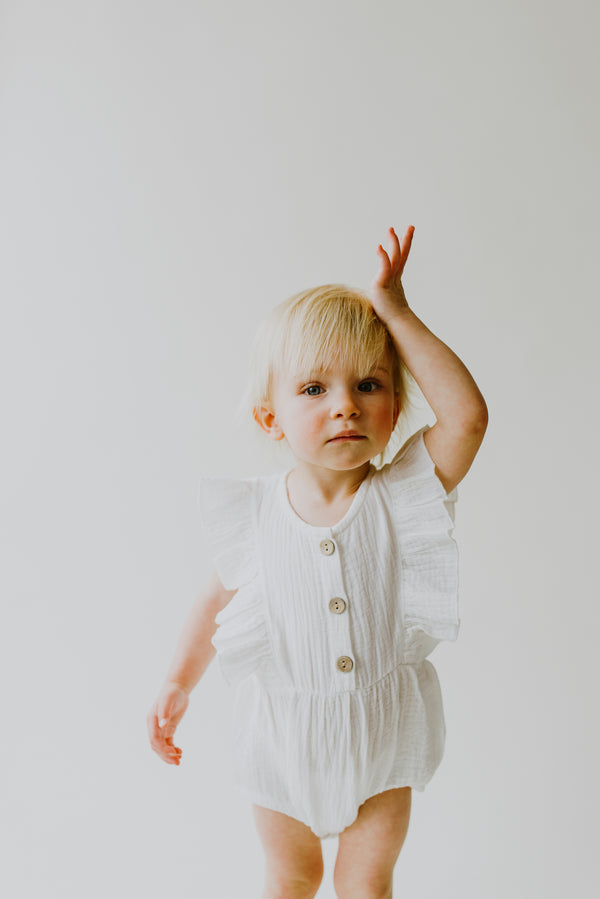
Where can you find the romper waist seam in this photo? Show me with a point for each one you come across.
(322, 694)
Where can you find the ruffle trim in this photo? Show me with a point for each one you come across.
(241, 639)
(226, 514)
(424, 518)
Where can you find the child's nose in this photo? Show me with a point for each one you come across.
(344, 403)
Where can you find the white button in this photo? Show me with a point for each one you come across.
(327, 547)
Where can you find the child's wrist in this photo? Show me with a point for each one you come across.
(400, 315)
(179, 685)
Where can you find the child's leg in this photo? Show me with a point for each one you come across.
(369, 847)
(293, 853)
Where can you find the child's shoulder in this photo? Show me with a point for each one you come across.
(413, 470)
(411, 459)
(227, 516)
(224, 495)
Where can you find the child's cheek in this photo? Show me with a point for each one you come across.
(309, 427)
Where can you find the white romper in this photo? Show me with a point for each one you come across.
(326, 638)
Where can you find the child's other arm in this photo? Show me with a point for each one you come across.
(447, 385)
(193, 655)
(194, 651)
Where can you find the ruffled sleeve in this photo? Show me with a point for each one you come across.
(423, 514)
(227, 515)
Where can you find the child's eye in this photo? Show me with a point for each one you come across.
(373, 384)
(312, 387)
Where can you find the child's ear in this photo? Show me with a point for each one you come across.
(265, 418)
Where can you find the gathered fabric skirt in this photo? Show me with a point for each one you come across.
(318, 757)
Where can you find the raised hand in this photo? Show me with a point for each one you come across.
(387, 293)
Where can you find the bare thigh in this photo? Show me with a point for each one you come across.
(294, 857)
(369, 848)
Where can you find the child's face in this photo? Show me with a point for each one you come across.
(311, 413)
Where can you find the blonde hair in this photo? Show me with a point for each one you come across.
(324, 327)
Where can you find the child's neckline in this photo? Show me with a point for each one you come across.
(344, 521)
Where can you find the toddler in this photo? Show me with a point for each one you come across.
(334, 581)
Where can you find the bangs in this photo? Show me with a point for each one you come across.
(333, 328)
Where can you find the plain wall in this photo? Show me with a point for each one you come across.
(171, 171)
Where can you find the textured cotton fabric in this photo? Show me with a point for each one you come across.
(309, 739)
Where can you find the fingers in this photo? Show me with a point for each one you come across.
(162, 721)
(383, 256)
(385, 271)
(161, 738)
(400, 252)
(406, 243)
(170, 753)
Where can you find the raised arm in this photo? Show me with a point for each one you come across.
(459, 407)
(192, 657)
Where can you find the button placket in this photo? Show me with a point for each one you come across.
(341, 661)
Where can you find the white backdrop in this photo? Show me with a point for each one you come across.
(170, 171)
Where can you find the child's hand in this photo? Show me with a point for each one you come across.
(387, 293)
(162, 720)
